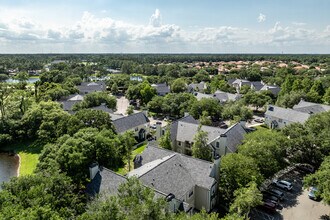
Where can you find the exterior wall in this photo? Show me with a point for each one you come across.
(222, 143)
(281, 122)
(202, 198)
(138, 128)
(190, 197)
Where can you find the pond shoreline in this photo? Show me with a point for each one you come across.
(9, 165)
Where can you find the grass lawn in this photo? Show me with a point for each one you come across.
(29, 153)
(124, 170)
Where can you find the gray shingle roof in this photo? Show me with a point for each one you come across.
(131, 121)
(186, 132)
(88, 87)
(104, 108)
(257, 85)
(174, 125)
(225, 96)
(175, 173)
(310, 107)
(106, 182)
(196, 86)
(161, 88)
(200, 95)
(235, 135)
(273, 88)
(287, 114)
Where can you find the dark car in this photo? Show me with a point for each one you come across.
(277, 193)
(312, 194)
(305, 168)
(270, 197)
(269, 206)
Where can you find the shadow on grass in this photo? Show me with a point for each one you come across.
(29, 146)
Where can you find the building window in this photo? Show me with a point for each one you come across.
(163, 132)
(217, 144)
(280, 120)
(179, 143)
(191, 193)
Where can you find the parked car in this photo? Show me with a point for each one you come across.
(282, 184)
(306, 168)
(313, 194)
(270, 197)
(269, 206)
(259, 120)
(277, 193)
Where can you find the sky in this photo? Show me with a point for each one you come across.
(165, 26)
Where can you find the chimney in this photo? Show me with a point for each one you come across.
(243, 123)
(158, 130)
(93, 170)
(223, 144)
(216, 161)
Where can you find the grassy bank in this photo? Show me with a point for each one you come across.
(29, 155)
(124, 170)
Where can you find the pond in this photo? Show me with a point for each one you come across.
(30, 80)
(8, 167)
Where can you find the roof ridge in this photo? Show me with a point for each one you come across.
(180, 154)
(167, 159)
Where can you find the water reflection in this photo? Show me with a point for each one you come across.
(8, 167)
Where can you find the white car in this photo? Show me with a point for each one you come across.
(283, 184)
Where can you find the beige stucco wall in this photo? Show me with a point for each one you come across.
(202, 199)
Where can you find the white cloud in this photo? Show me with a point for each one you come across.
(261, 18)
(92, 33)
(156, 19)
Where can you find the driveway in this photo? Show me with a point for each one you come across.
(122, 105)
(306, 209)
(296, 204)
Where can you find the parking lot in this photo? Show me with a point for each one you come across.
(296, 204)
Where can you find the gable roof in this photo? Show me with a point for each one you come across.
(76, 98)
(171, 172)
(131, 121)
(200, 95)
(174, 125)
(103, 107)
(235, 135)
(161, 88)
(225, 96)
(105, 182)
(187, 131)
(87, 87)
(310, 107)
(196, 86)
(257, 85)
(287, 114)
(273, 88)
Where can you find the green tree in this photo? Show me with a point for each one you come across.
(321, 180)
(239, 171)
(209, 105)
(128, 141)
(203, 215)
(44, 120)
(179, 85)
(245, 199)
(326, 97)
(96, 99)
(40, 196)
(205, 119)
(267, 148)
(114, 88)
(133, 202)
(200, 148)
(165, 140)
(147, 92)
(257, 99)
(130, 110)
(3, 77)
